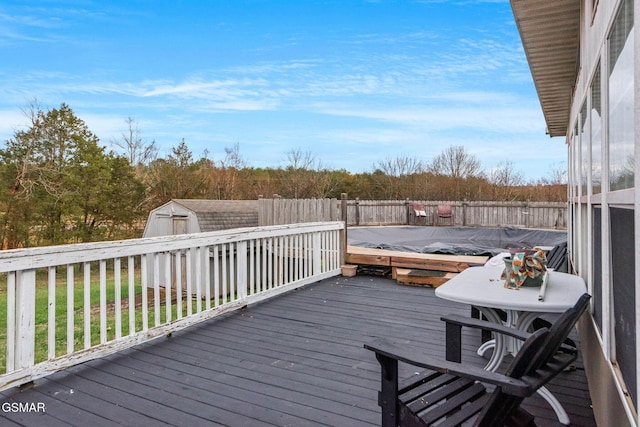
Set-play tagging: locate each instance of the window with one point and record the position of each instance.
(574, 171)
(597, 265)
(620, 81)
(596, 133)
(584, 150)
(574, 205)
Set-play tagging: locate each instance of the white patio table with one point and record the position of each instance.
(482, 287)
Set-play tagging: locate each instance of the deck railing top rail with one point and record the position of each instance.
(44, 256)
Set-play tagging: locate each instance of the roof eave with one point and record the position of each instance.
(550, 34)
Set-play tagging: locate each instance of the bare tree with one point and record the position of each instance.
(323, 181)
(304, 176)
(456, 162)
(400, 166)
(505, 175)
(228, 173)
(297, 159)
(233, 158)
(505, 179)
(390, 176)
(296, 176)
(557, 175)
(133, 147)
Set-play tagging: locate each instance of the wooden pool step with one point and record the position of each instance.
(431, 278)
(412, 268)
(412, 260)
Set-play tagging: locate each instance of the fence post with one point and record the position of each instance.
(465, 203)
(25, 320)
(408, 209)
(357, 211)
(273, 209)
(560, 221)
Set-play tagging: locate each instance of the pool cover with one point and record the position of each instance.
(453, 240)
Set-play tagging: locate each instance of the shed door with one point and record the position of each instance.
(180, 224)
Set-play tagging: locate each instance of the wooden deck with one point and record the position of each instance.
(295, 360)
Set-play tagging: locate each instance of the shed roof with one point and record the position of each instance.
(550, 33)
(202, 206)
(216, 215)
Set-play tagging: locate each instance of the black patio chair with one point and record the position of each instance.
(557, 258)
(450, 393)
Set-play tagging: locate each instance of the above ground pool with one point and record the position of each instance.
(454, 240)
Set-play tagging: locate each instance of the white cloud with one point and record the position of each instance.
(10, 121)
(506, 119)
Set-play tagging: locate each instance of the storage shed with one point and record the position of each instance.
(182, 216)
(185, 216)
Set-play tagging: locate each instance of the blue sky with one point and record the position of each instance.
(351, 81)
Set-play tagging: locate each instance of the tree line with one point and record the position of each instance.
(60, 185)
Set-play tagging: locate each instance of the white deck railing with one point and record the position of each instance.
(72, 303)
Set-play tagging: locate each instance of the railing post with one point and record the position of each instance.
(317, 254)
(344, 241)
(241, 270)
(25, 310)
(207, 275)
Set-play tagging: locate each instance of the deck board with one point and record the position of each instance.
(294, 360)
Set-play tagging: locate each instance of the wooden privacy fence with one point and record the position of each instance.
(293, 211)
(401, 212)
(476, 214)
(72, 303)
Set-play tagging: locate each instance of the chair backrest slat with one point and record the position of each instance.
(560, 331)
(500, 404)
(536, 352)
